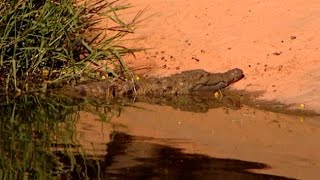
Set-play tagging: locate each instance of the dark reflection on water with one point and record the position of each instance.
(38, 142)
(132, 157)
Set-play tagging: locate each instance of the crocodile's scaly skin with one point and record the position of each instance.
(187, 82)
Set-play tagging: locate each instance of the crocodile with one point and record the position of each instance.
(187, 82)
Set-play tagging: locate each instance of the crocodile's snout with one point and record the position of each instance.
(236, 74)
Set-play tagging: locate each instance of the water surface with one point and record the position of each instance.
(192, 137)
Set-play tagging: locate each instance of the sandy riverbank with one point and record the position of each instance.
(275, 43)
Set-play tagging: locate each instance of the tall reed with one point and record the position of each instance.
(50, 41)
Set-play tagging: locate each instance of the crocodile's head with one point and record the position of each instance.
(234, 75)
(212, 82)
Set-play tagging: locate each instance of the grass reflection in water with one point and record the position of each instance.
(38, 135)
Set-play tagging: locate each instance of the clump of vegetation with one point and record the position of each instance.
(44, 42)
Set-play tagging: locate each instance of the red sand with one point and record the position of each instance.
(275, 43)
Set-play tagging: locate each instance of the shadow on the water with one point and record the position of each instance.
(131, 157)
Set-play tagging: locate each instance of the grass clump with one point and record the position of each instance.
(43, 42)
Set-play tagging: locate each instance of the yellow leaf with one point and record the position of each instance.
(218, 95)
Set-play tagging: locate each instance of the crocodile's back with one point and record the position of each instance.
(101, 89)
(187, 82)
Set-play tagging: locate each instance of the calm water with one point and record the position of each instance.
(188, 138)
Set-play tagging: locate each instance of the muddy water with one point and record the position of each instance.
(186, 137)
(161, 141)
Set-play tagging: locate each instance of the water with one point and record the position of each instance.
(59, 137)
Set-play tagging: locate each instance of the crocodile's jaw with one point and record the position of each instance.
(235, 74)
(216, 83)
(209, 88)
